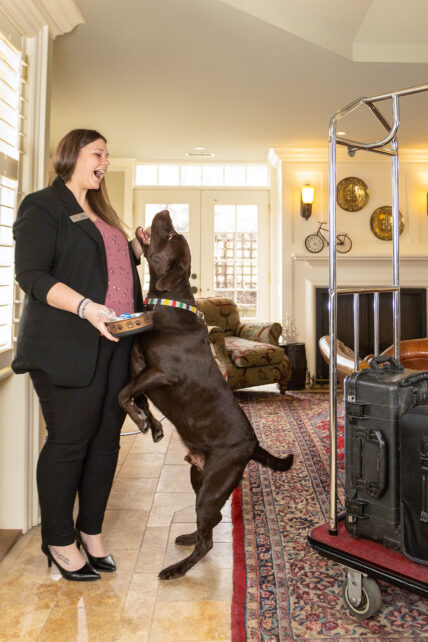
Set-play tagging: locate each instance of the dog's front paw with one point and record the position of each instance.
(157, 432)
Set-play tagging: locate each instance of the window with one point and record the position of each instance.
(11, 65)
(208, 175)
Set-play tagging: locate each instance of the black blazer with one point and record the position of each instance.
(51, 248)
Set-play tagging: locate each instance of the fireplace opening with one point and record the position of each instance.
(413, 321)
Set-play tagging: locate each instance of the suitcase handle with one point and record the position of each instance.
(377, 489)
(389, 364)
(414, 378)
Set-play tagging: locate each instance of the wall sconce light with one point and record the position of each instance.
(306, 200)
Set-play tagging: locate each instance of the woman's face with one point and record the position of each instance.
(91, 165)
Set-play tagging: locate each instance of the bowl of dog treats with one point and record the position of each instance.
(128, 324)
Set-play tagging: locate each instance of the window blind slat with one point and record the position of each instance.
(5, 294)
(5, 336)
(6, 256)
(5, 314)
(8, 115)
(6, 215)
(6, 238)
(5, 275)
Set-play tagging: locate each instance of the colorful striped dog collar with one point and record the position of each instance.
(174, 304)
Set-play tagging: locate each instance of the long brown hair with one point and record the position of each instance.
(64, 162)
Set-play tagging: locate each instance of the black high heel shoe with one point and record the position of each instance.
(106, 564)
(83, 574)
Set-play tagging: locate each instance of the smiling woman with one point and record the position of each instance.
(81, 158)
(78, 271)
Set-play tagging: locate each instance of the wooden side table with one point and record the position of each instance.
(297, 354)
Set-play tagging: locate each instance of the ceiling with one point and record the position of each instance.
(160, 77)
(362, 30)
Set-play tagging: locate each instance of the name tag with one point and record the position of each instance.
(78, 217)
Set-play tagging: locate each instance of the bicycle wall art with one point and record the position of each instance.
(316, 242)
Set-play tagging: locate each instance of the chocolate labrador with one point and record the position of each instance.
(173, 365)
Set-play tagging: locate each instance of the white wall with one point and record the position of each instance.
(369, 261)
(13, 452)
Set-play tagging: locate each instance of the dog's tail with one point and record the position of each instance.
(276, 463)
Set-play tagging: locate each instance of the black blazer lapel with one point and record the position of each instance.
(90, 228)
(72, 207)
(70, 203)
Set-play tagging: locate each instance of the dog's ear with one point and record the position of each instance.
(169, 280)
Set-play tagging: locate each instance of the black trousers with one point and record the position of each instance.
(82, 447)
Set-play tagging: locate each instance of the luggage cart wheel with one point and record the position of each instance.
(361, 595)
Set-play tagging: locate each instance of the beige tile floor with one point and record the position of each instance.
(151, 503)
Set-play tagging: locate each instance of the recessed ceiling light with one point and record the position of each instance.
(341, 133)
(201, 154)
(199, 149)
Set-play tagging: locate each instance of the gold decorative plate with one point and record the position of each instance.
(134, 324)
(381, 223)
(352, 194)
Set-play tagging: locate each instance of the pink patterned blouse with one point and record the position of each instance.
(120, 288)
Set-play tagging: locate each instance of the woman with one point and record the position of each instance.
(77, 269)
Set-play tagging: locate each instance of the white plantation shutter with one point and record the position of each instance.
(10, 98)
(11, 80)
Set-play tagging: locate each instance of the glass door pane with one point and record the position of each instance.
(235, 247)
(184, 207)
(235, 255)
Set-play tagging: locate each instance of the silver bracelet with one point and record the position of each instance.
(81, 310)
(78, 307)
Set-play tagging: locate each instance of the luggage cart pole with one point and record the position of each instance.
(332, 293)
(376, 323)
(396, 240)
(356, 331)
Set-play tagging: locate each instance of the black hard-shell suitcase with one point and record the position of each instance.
(375, 399)
(414, 483)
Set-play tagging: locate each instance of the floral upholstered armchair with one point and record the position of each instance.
(246, 353)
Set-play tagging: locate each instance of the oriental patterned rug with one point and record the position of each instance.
(283, 589)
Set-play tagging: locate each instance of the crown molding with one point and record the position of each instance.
(320, 155)
(29, 16)
(121, 164)
(301, 154)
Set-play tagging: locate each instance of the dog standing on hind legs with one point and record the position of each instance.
(173, 366)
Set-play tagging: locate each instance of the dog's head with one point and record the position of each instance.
(168, 255)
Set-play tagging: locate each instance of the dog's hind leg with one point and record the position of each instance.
(218, 482)
(189, 539)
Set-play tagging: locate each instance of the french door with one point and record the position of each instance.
(228, 235)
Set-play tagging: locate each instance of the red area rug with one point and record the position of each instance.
(283, 589)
